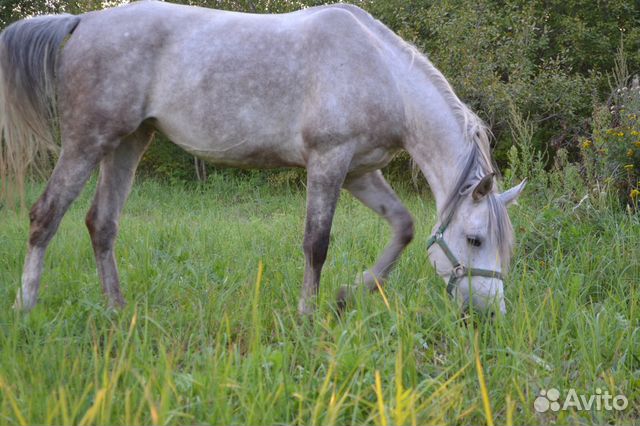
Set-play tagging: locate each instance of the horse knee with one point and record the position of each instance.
(404, 227)
(315, 248)
(102, 231)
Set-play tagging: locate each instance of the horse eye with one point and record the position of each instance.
(474, 241)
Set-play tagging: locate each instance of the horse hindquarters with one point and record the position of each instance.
(96, 110)
(29, 61)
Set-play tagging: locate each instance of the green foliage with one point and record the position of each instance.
(611, 157)
(524, 160)
(587, 33)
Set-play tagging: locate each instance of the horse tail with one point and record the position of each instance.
(29, 52)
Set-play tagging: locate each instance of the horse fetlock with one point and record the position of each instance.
(306, 307)
(116, 301)
(25, 301)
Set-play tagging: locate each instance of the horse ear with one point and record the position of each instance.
(483, 187)
(510, 196)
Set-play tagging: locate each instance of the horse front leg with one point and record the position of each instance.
(117, 170)
(374, 192)
(325, 176)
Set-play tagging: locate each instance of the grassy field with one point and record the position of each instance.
(205, 339)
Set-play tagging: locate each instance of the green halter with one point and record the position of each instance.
(459, 270)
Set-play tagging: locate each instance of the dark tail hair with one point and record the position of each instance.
(29, 51)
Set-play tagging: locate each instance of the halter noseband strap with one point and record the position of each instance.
(459, 270)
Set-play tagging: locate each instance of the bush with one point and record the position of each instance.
(612, 155)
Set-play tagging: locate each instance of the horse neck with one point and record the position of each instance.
(436, 143)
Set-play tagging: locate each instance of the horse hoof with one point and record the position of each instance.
(117, 304)
(343, 298)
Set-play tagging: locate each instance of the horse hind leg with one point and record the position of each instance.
(67, 180)
(374, 192)
(117, 170)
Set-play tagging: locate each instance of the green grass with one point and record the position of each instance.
(204, 340)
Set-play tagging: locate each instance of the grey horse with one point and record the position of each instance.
(328, 88)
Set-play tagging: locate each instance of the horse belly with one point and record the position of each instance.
(237, 98)
(235, 146)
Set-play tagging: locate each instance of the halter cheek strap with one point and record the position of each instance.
(458, 270)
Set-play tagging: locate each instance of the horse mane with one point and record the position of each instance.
(478, 162)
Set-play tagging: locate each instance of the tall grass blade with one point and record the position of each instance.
(486, 404)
